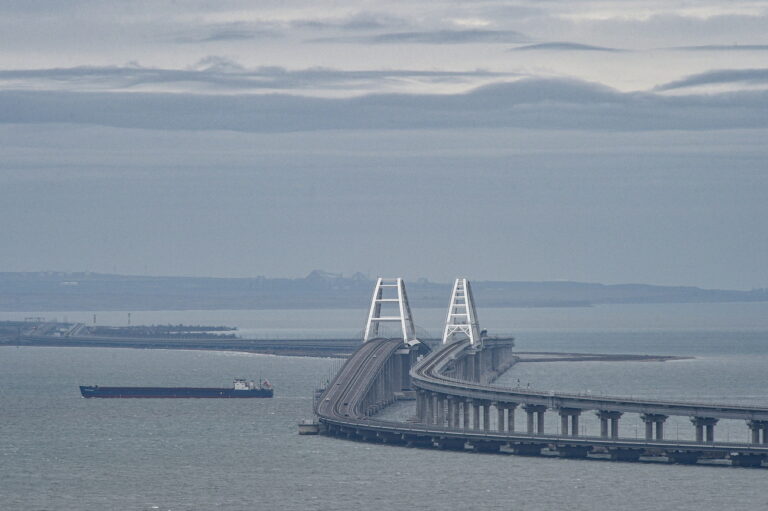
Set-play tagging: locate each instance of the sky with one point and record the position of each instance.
(613, 142)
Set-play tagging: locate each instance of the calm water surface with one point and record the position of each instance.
(61, 452)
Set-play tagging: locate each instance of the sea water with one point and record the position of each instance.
(59, 451)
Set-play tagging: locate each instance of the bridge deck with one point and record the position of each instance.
(429, 378)
(339, 409)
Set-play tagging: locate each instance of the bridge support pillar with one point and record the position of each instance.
(500, 416)
(756, 427)
(456, 413)
(486, 415)
(510, 407)
(536, 411)
(453, 412)
(609, 423)
(705, 428)
(573, 414)
(440, 409)
(466, 409)
(654, 418)
(420, 406)
(475, 414)
(431, 399)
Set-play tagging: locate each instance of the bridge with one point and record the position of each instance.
(458, 407)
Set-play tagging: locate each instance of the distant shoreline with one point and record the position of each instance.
(62, 292)
(546, 356)
(322, 348)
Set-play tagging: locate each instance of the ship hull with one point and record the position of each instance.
(171, 392)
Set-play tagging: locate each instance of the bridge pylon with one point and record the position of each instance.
(462, 316)
(390, 293)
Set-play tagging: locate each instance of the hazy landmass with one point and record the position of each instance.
(55, 291)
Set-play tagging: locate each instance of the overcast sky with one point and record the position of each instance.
(595, 141)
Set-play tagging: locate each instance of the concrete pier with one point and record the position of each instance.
(571, 414)
(456, 415)
(510, 407)
(421, 406)
(430, 399)
(451, 404)
(705, 428)
(755, 428)
(609, 423)
(651, 419)
(466, 405)
(535, 415)
(500, 416)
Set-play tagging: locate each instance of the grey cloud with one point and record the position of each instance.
(218, 63)
(220, 73)
(531, 103)
(434, 37)
(512, 12)
(724, 47)
(360, 21)
(236, 31)
(564, 46)
(724, 76)
(679, 29)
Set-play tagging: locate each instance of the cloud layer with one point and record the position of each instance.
(563, 46)
(720, 77)
(588, 140)
(221, 74)
(433, 37)
(527, 103)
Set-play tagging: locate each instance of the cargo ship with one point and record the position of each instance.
(242, 388)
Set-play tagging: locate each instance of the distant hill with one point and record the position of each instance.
(48, 291)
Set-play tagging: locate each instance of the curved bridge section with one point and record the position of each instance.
(445, 400)
(431, 376)
(456, 414)
(373, 377)
(457, 408)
